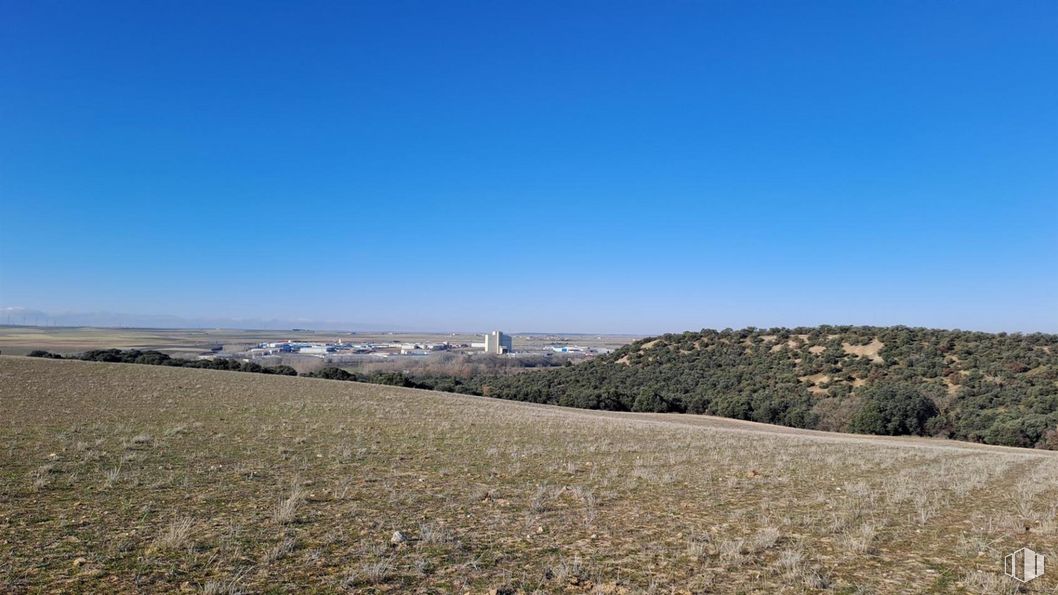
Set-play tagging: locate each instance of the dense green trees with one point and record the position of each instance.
(1027, 431)
(894, 409)
(649, 400)
(332, 373)
(157, 358)
(994, 388)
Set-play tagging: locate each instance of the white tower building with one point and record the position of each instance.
(496, 343)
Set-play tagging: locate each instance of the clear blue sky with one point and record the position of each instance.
(577, 166)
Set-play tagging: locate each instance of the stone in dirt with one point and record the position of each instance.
(398, 538)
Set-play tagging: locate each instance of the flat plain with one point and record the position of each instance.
(122, 478)
(20, 340)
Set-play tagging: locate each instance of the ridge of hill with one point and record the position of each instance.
(996, 388)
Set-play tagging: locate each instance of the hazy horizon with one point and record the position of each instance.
(592, 167)
(14, 316)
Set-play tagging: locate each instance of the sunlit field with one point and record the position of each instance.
(121, 477)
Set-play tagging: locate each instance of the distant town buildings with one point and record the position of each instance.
(344, 348)
(341, 350)
(497, 343)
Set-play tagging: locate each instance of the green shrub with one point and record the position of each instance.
(894, 410)
(332, 374)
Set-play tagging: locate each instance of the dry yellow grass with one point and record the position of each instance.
(870, 350)
(121, 478)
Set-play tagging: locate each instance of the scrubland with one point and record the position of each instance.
(120, 478)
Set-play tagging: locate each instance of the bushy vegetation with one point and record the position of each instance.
(993, 388)
(451, 384)
(463, 365)
(157, 358)
(895, 410)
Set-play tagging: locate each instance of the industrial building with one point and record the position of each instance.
(497, 343)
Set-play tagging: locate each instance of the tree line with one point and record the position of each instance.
(157, 358)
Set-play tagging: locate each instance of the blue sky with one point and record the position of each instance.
(572, 166)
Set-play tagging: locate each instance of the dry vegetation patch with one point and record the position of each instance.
(870, 351)
(122, 478)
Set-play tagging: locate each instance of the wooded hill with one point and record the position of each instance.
(994, 388)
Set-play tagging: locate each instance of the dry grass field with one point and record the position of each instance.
(120, 478)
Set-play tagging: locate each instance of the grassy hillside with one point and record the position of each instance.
(998, 389)
(993, 388)
(123, 478)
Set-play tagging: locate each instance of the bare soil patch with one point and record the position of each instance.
(870, 350)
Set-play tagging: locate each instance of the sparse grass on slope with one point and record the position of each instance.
(121, 478)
